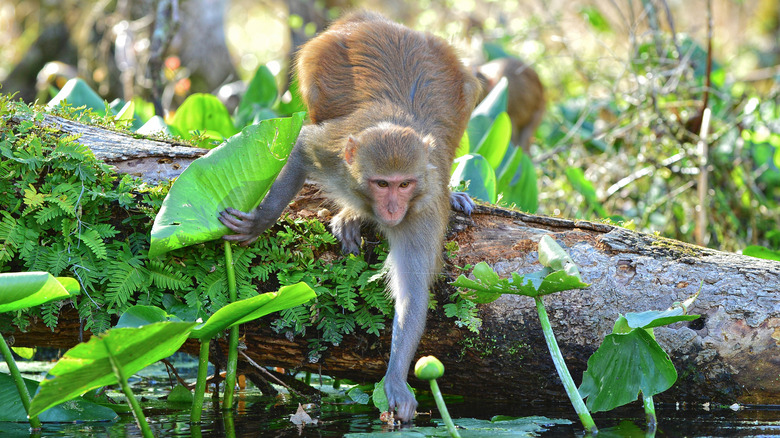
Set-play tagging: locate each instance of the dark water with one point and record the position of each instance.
(259, 416)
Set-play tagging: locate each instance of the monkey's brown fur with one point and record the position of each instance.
(525, 95)
(389, 107)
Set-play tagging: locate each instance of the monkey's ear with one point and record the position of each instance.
(349, 150)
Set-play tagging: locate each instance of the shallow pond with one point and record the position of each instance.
(260, 416)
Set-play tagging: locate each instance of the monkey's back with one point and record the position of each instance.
(365, 60)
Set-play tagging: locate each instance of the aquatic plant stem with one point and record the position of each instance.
(200, 385)
(138, 412)
(24, 395)
(563, 372)
(232, 361)
(652, 421)
(445, 414)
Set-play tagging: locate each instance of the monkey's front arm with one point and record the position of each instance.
(249, 226)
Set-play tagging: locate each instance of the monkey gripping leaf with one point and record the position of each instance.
(236, 174)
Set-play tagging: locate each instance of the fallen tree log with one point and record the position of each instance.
(729, 355)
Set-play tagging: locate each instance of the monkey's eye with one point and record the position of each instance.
(382, 183)
(404, 184)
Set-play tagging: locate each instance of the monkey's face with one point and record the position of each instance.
(391, 196)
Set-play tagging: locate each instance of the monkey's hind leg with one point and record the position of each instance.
(461, 201)
(346, 227)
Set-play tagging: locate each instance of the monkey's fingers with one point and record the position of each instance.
(462, 202)
(241, 227)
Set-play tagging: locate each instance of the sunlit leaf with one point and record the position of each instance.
(154, 126)
(201, 113)
(517, 183)
(250, 309)
(86, 366)
(235, 313)
(236, 174)
(554, 257)
(480, 176)
(495, 143)
(657, 318)
(19, 290)
(77, 93)
(260, 94)
(24, 352)
(141, 315)
(761, 252)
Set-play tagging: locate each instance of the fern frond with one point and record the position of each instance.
(50, 313)
(123, 280)
(92, 239)
(47, 213)
(105, 231)
(166, 276)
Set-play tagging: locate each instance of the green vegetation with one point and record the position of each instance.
(629, 361)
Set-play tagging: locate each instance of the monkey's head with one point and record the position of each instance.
(389, 164)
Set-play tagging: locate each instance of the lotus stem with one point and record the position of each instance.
(138, 412)
(24, 395)
(232, 361)
(200, 385)
(563, 371)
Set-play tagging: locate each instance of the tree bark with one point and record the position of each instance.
(729, 355)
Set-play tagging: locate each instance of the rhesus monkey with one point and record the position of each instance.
(525, 95)
(389, 106)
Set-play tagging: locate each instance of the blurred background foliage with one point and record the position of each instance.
(626, 83)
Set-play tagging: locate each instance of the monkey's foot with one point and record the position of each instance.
(462, 202)
(346, 228)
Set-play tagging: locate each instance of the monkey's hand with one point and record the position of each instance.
(247, 226)
(346, 227)
(401, 399)
(461, 201)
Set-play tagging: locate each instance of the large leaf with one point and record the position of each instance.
(77, 410)
(487, 286)
(624, 365)
(203, 113)
(77, 93)
(494, 144)
(486, 112)
(86, 366)
(657, 318)
(761, 252)
(477, 171)
(260, 94)
(517, 182)
(554, 257)
(494, 103)
(232, 314)
(236, 174)
(249, 309)
(141, 315)
(20, 290)
(290, 102)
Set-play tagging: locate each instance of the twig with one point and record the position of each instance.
(276, 379)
